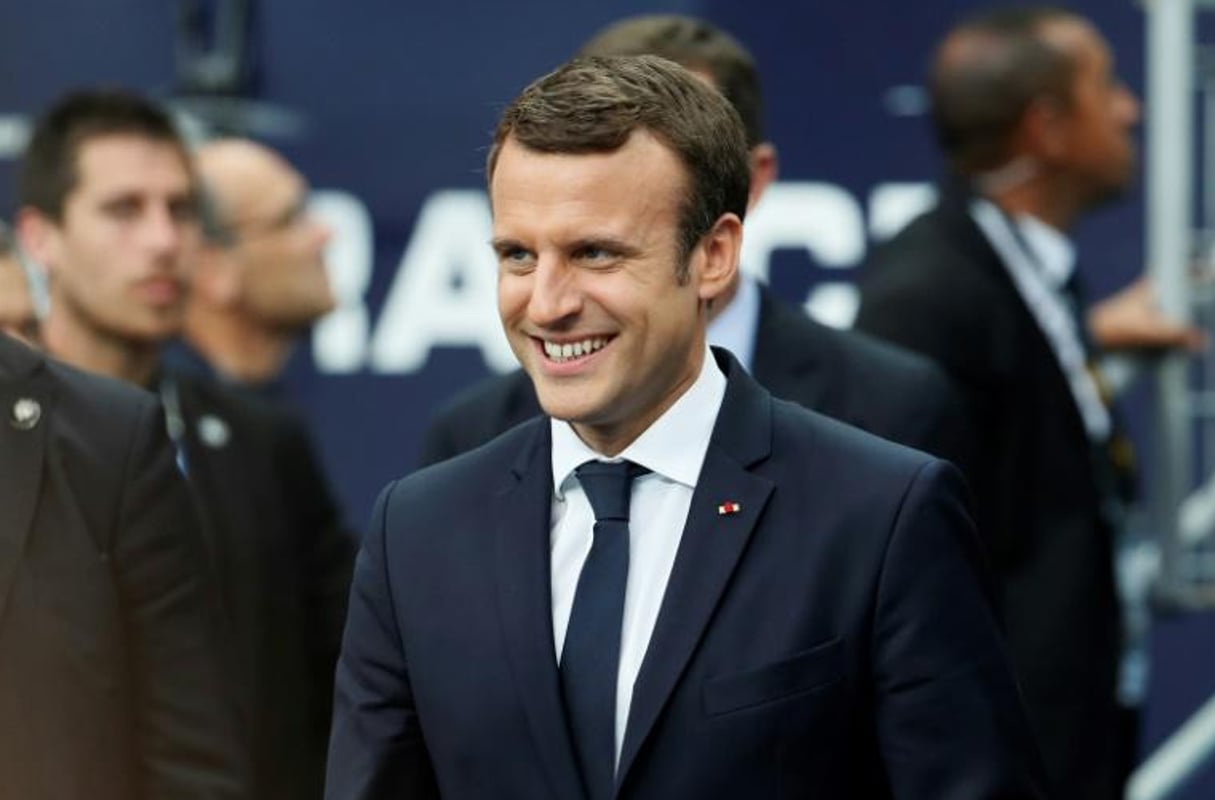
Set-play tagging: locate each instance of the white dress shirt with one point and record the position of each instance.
(1040, 260)
(673, 449)
(735, 327)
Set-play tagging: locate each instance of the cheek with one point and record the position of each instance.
(513, 294)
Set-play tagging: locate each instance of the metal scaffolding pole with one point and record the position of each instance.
(1170, 126)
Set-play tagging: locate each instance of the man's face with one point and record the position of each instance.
(119, 257)
(280, 250)
(1096, 146)
(588, 289)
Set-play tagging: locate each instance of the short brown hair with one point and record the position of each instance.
(697, 45)
(593, 105)
(49, 168)
(979, 100)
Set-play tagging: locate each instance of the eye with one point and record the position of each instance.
(183, 210)
(124, 208)
(595, 254)
(515, 259)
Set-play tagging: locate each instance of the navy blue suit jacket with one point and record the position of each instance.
(833, 639)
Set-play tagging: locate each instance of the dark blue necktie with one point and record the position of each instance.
(590, 657)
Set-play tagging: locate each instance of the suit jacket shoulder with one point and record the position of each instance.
(887, 390)
(939, 288)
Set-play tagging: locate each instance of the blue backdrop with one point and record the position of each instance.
(397, 101)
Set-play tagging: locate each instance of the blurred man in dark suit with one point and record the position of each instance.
(1036, 128)
(109, 208)
(854, 378)
(110, 674)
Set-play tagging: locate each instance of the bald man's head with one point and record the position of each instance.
(986, 74)
(1028, 101)
(265, 258)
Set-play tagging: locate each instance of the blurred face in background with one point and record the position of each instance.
(1092, 141)
(119, 258)
(275, 248)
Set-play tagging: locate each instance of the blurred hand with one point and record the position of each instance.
(1132, 320)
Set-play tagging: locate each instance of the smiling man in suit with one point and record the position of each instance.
(674, 585)
(852, 377)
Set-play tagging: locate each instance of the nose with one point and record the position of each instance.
(163, 230)
(1128, 105)
(555, 296)
(320, 231)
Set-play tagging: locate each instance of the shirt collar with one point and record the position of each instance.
(734, 328)
(1046, 250)
(674, 445)
(1055, 253)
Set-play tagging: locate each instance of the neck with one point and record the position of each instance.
(68, 339)
(609, 439)
(235, 347)
(1020, 189)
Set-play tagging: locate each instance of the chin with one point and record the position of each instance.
(568, 404)
(559, 407)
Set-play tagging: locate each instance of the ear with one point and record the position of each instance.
(716, 261)
(1043, 131)
(39, 237)
(764, 168)
(216, 277)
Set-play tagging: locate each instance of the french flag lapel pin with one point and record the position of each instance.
(727, 508)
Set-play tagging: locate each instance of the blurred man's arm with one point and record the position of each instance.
(1131, 319)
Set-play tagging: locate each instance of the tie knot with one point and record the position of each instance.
(608, 486)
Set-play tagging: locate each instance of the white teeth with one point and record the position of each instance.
(564, 352)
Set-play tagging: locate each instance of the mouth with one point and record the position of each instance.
(159, 291)
(571, 354)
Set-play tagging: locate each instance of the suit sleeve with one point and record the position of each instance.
(949, 716)
(376, 748)
(187, 727)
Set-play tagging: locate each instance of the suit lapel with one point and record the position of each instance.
(709, 551)
(22, 454)
(970, 237)
(522, 512)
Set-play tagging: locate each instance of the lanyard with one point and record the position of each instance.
(175, 421)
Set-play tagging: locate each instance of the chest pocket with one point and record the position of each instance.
(803, 672)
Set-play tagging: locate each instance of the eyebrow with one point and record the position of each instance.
(504, 244)
(609, 243)
(612, 244)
